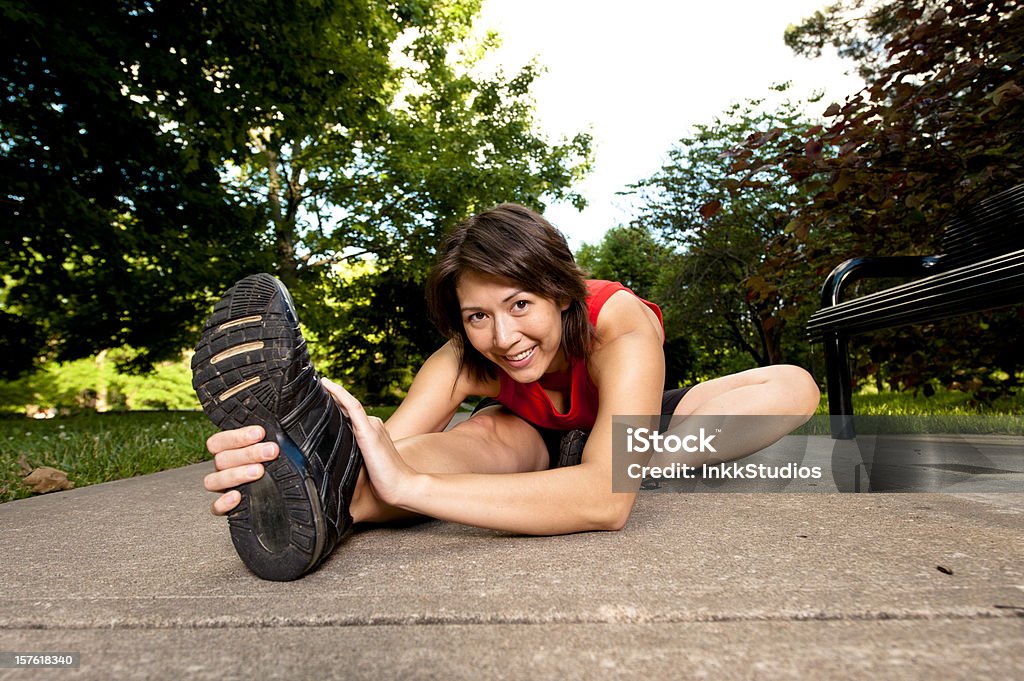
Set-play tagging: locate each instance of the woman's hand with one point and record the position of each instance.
(238, 456)
(390, 476)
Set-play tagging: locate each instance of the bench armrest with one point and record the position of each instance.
(902, 266)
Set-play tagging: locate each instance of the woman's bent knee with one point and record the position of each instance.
(801, 390)
(505, 436)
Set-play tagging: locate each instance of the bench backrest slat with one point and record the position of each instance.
(992, 227)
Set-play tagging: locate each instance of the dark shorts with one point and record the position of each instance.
(670, 399)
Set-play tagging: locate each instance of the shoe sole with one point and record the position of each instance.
(238, 370)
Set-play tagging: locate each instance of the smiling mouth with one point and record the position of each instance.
(521, 356)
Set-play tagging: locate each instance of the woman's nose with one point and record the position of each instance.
(506, 333)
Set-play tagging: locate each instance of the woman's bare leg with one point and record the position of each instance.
(778, 389)
(782, 396)
(492, 441)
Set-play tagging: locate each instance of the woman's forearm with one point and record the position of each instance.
(558, 501)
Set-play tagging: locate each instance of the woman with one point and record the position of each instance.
(551, 351)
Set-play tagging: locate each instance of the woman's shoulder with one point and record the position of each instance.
(623, 312)
(630, 335)
(598, 290)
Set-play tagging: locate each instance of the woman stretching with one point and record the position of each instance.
(554, 355)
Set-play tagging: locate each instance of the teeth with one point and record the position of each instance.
(521, 355)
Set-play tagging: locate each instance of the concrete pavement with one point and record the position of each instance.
(139, 578)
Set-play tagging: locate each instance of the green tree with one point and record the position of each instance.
(453, 144)
(724, 290)
(110, 229)
(629, 255)
(155, 151)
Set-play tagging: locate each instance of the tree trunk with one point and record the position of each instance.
(102, 389)
(284, 228)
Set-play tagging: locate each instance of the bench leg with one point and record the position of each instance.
(840, 393)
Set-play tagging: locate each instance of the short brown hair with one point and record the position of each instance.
(515, 243)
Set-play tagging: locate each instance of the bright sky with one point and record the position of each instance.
(639, 73)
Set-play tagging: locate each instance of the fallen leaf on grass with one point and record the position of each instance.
(45, 479)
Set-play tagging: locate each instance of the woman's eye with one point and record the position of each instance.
(521, 305)
(475, 317)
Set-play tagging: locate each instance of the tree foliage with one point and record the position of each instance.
(155, 151)
(454, 144)
(629, 255)
(858, 30)
(723, 289)
(939, 125)
(109, 227)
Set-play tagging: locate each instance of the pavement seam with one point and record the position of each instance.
(999, 612)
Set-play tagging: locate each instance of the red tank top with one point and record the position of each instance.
(530, 402)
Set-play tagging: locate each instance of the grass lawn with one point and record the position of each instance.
(102, 447)
(950, 411)
(946, 402)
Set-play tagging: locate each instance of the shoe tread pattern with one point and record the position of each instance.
(286, 378)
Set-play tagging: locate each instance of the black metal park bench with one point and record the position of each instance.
(981, 267)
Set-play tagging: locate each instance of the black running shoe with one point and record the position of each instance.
(251, 367)
(570, 449)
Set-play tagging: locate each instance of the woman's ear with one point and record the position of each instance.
(564, 305)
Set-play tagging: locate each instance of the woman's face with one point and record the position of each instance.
(519, 331)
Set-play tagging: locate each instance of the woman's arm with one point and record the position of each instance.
(628, 370)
